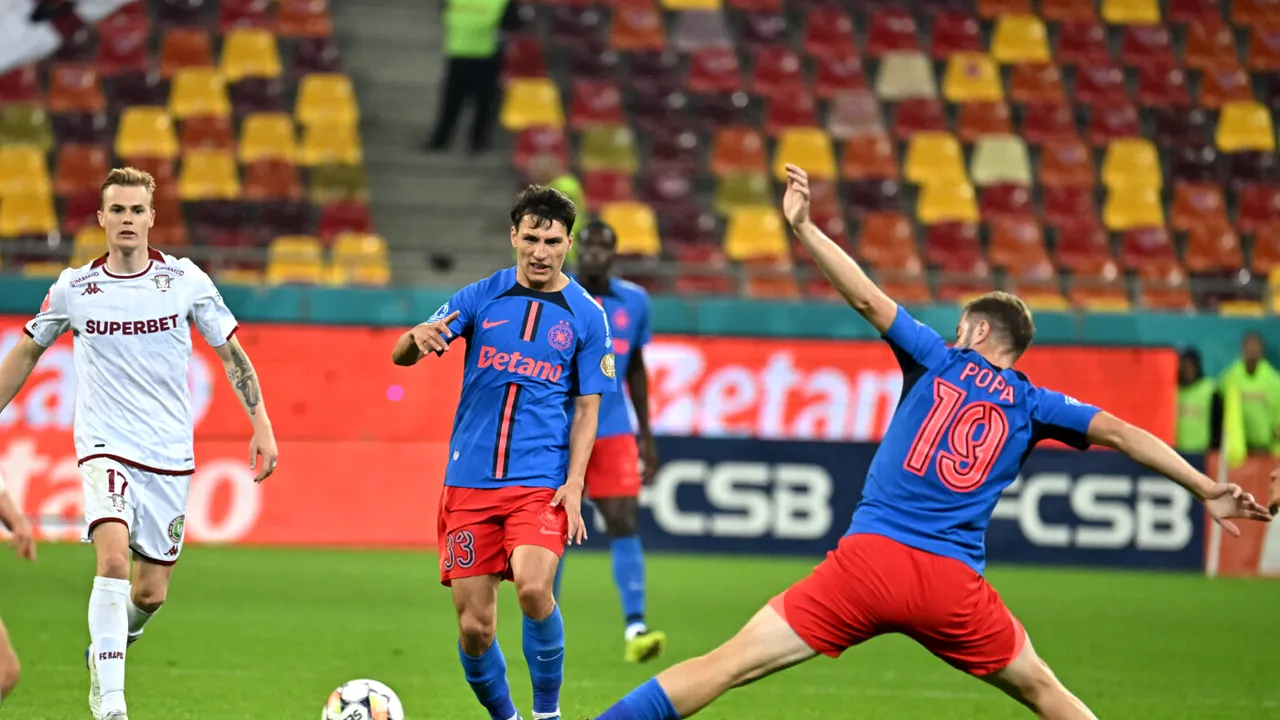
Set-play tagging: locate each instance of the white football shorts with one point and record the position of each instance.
(151, 505)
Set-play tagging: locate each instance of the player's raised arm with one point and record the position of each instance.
(1223, 501)
(843, 272)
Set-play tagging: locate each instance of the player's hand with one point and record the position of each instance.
(795, 203)
(24, 541)
(1228, 500)
(648, 459)
(263, 447)
(570, 496)
(433, 337)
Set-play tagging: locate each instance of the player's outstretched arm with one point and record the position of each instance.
(244, 380)
(17, 367)
(427, 338)
(843, 271)
(1222, 501)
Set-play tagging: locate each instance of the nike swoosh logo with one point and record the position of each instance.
(491, 323)
(557, 656)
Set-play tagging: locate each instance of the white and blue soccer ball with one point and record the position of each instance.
(363, 700)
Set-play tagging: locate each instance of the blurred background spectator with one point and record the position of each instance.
(473, 46)
(1199, 406)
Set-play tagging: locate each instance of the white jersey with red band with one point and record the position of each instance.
(133, 356)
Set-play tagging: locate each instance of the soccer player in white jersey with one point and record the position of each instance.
(25, 545)
(131, 313)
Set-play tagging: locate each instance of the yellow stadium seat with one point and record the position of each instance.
(947, 201)
(90, 243)
(1106, 304)
(934, 156)
(1131, 12)
(326, 98)
(22, 124)
(27, 214)
(810, 148)
(249, 53)
(361, 275)
(531, 102)
(738, 190)
(1129, 207)
(972, 77)
(324, 144)
(197, 91)
(678, 5)
(1020, 39)
(295, 259)
(1132, 162)
(636, 226)
(208, 174)
(359, 259)
(239, 276)
(23, 169)
(755, 232)
(1001, 159)
(267, 136)
(1240, 308)
(45, 269)
(1245, 125)
(146, 132)
(608, 147)
(905, 75)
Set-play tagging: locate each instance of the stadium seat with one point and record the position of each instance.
(704, 270)
(1245, 126)
(1197, 204)
(1149, 251)
(868, 156)
(1017, 246)
(1253, 167)
(977, 119)
(828, 32)
(1197, 163)
(1101, 85)
(1148, 47)
(316, 55)
(666, 190)
(1067, 10)
(919, 115)
(741, 190)
(327, 98)
(770, 278)
(1005, 200)
(953, 246)
(675, 150)
(763, 29)
(637, 28)
(1068, 203)
(636, 226)
(906, 75)
(954, 32)
(608, 148)
(809, 148)
(1266, 252)
(1131, 12)
(1020, 39)
(776, 69)
(44, 269)
(835, 75)
(738, 150)
(163, 170)
(992, 9)
(27, 214)
(234, 14)
(595, 103)
(1001, 159)
(1213, 249)
(303, 19)
(891, 30)
(607, 186)
(1129, 207)
(1036, 83)
(1221, 86)
(1264, 49)
(535, 142)
(182, 48)
(1181, 12)
(934, 157)
(852, 113)
(266, 136)
(695, 30)
(569, 26)
(249, 52)
(1082, 247)
(271, 179)
(1210, 46)
(1082, 44)
(948, 201)
(755, 232)
(122, 46)
(714, 70)
(593, 60)
(198, 91)
(1163, 87)
(74, 88)
(323, 144)
(1178, 127)
(146, 132)
(340, 218)
(1258, 206)
(972, 77)
(792, 108)
(21, 85)
(286, 217)
(206, 131)
(533, 102)
(79, 168)
(1107, 123)
(1131, 162)
(89, 244)
(23, 171)
(1048, 122)
(208, 175)
(26, 125)
(295, 259)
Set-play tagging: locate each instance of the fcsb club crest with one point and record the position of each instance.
(561, 335)
(176, 527)
(552, 520)
(163, 282)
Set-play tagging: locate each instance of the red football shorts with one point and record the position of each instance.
(478, 530)
(614, 468)
(871, 585)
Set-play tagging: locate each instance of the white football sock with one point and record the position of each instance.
(109, 631)
(635, 629)
(138, 619)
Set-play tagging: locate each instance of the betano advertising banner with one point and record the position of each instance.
(363, 442)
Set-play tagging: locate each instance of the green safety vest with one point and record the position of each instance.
(1259, 395)
(471, 27)
(1195, 405)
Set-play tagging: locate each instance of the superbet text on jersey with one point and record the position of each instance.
(132, 356)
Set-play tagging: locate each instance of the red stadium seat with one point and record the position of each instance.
(1223, 85)
(952, 246)
(996, 202)
(173, 13)
(887, 241)
(866, 196)
(1149, 250)
(303, 18)
(1192, 11)
(835, 73)
(1163, 87)
(595, 103)
(75, 88)
(637, 29)
(755, 5)
(705, 270)
(1036, 83)
(244, 13)
(828, 30)
(777, 69)
(1068, 203)
(1210, 46)
(122, 46)
(1254, 13)
(793, 107)
(1266, 248)
(1213, 248)
(183, 48)
(1175, 127)
(1147, 46)
(1196, 204)
(891, 31)
(676, 150)
(1259, 206)
(80, 168)
(1048, 122)
(206, 132)
(1108, 122)
(21, 86)
(536, 142)
(868, 157)
(607, 186)
(81, 209)
(1083, 246)
(271, 180)
(714, 70)
(343, 217)
(1067, 163)
(981, 118)
(1101, 85)
(1264, 49)
(992, 9)
(763, 29)
(1017, 246)
(523, 58)
(665, 190)
(1067, 11)
(955, 32)
(919, 115)
(738, 150)
(1083, 44)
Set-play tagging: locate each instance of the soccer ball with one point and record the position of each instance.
(363, 700)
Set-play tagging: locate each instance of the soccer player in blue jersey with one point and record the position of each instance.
(913, 557)
(537, 349)
(615, 473)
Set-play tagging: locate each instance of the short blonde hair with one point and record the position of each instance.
(130, 177)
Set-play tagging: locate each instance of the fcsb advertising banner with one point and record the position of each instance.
(363, 442)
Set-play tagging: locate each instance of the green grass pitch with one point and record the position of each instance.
(255, 633)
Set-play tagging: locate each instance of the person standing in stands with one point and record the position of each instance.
(1199, 406)
(1254, 386)
(472, 44)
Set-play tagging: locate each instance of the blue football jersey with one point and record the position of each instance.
(627, 307)
(529, 353)
(961, 432)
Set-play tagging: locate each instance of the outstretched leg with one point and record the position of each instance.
(1030, 681)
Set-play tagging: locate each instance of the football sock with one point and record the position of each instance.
(628, 575)
(109, 632)
(555, 586)
(138, 620)
(544, 651)
(487, 676)
(647, 702)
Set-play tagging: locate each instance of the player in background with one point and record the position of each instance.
(913, 557)
(131, 313)
(624, 456)
(24, 544)
(538, 348)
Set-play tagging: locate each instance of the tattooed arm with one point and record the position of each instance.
(244, 380)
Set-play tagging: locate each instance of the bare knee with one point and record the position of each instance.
(148, 597)
(536, 596)
(113, 565)
(476, 629)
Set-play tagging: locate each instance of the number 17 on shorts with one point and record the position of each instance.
(151, 505)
